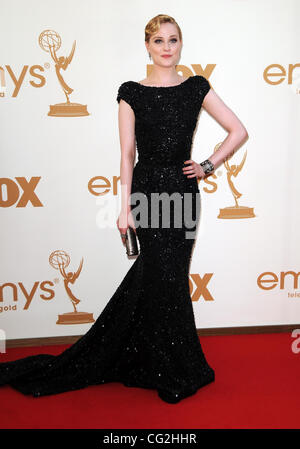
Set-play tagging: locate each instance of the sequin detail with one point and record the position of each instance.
(146, 335)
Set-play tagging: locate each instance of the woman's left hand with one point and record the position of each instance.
(193, 169)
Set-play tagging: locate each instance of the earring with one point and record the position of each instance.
(149, 56)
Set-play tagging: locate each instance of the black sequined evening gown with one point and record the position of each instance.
(146, 335)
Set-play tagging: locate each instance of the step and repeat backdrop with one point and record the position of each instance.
(61, 65)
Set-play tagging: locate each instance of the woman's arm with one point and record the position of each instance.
(237, 133)
(126, 120)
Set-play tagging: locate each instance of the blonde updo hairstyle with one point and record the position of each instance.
(154, 25)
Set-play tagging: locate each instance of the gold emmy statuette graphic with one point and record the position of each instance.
(50, 41)
(234, 211)
(60, 260)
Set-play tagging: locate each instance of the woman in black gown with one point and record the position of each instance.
(146, 335)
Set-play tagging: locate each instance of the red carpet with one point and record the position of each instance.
(257, 386)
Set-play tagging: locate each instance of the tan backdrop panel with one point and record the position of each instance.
(60, 159)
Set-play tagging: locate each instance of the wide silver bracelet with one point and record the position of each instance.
(208, 166)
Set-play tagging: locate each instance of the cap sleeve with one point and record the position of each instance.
(126, 93)
(204, 86)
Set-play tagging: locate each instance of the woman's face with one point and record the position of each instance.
(165, 42)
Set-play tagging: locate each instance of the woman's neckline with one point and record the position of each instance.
(164, 87)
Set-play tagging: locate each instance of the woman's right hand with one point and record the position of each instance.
(125, 220)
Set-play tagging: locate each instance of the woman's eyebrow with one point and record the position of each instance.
(155, 37)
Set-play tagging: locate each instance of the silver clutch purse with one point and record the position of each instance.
(131, 242)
